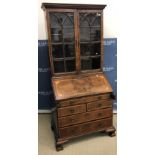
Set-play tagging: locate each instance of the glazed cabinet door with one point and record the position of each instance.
(90, 39)
(61, 26)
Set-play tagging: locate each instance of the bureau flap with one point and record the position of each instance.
(77, 86)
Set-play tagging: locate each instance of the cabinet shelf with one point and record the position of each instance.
(56, 34)
(61, 43)
(87, 57)
(89, 42)
(65, 58)
(71, 34)
(58, 43)
(90, 26)
(60, 27)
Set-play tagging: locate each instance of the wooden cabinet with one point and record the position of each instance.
(83, 95)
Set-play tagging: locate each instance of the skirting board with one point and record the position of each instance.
(47, 111)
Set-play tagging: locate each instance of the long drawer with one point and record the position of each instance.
(84, 117)
(81, 129)
(99, 104)
(83, 100)
(71, 110)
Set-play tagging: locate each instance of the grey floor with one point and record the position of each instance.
(95, 144)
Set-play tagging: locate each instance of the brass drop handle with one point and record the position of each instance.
(72, 130)
(99, 97)
(72, 110)
(99, 105)
(72, 120)
(99, 114)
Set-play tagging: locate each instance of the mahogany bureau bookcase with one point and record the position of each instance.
(83, 95)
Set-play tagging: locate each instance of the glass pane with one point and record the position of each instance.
(69, 50)
(58, 66)
(90, 19)
(97, 21)
(61, 19)
(95, 34)
(56, 31)
(56, 35)
(96, 63)
(84, 34)
(83, 20)
(57, 38)
(86, 64)
(85, 49)
(55, 21)
(70, 65)
(96, 49)
(69, 20)
(68, 34)
(90, 63)
(57, 51)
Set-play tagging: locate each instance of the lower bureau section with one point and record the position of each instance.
(85, 128)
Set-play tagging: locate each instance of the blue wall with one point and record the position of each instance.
(45, 94)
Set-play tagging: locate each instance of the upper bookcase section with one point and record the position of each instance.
(75, 38)
(72, 6)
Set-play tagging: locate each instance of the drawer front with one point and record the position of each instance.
(83, 100)
(71, 110)
(85, 128)
(85, 117)
(99, 104)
